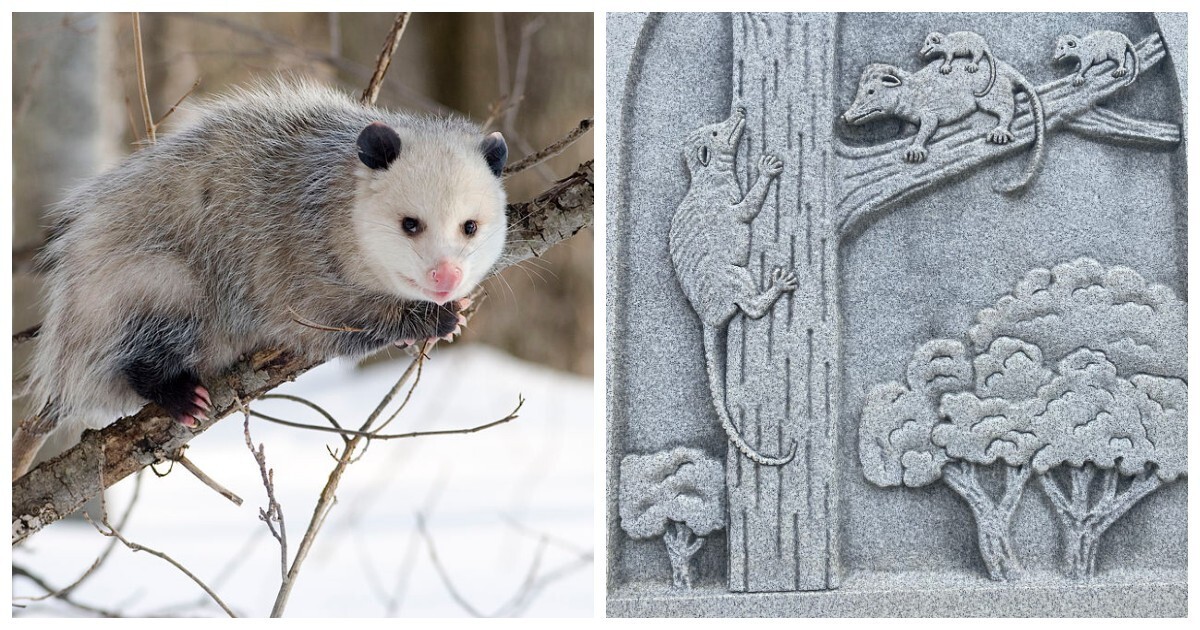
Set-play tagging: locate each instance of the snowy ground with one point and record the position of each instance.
(508, 510)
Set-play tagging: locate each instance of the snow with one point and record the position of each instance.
(488, 498)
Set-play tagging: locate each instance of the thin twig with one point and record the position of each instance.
(140, 62)
(186, 94)
(114, 532)
(274, 512)
(208, 481)
(550, 151)
(307, 403)
(300, 319)
(371, 93)
(41, 583)
(369, 435)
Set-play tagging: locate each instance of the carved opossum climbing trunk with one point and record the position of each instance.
(783, 370)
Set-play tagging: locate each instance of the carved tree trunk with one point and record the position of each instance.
(993, 519)
(783, 370)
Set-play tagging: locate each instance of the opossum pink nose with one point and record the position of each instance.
(445, 276)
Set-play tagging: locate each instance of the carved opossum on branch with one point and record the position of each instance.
(709, 238)
(285, 216)
(1095, 49)
(966, 44)
(930, 99)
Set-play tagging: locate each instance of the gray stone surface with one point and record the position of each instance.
(887, 243)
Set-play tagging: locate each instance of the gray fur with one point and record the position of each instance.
(242, 222)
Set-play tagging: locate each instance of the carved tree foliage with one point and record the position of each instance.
(1101, 430)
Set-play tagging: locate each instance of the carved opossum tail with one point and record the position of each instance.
(1039, 137)
(992, 77)
(716, 383)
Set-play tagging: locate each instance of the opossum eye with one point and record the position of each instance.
(411, 226)
(469, 228)
(1070, 44)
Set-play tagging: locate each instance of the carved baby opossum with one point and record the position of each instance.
(280, 204)
(709, 238)
(931, 99)
(1095, 49)
(966, 44)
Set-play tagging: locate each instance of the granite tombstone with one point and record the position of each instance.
(897, 314)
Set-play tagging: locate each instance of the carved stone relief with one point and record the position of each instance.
(855, 256)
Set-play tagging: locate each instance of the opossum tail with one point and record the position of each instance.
(716, 383)
(1039, 138)
(992, 74)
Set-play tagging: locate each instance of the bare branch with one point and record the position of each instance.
(384, 61)
(554, 149)
(274, 512)
(208, 481)
(140, 62)
(370, 435)
(179, 102)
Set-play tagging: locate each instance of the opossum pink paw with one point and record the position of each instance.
(972, 68)
(1077, 81)
(1120, 72)
(944, 69)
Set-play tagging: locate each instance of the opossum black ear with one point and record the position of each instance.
(702, 155)
(495, 151)
(378, 145)
(890, 80)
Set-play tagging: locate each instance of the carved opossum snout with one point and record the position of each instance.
(932, 41)
(1064, 47)
(714, 141)
(878, 94)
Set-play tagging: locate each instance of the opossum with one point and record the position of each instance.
(1095, 49)
(709, 238)
(966, 44)
(930, 99)
(286, 216)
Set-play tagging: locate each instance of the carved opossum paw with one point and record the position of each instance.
(972, 68)
(784, 279)
(915, 154)
(945, 69)
(1120, 72)
(1077, 81)
(770, 165)
(1000, 135)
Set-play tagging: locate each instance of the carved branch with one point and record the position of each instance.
(877, 178)
(62, 485)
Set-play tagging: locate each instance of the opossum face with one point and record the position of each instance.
(430, 212)
(878, 94)
(1065, 47)
(933, 43)
(715, 145)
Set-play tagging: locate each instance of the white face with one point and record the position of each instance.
(433, 223)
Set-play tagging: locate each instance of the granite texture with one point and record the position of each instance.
(931, 397)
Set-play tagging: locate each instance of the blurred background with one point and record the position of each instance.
(505, 519)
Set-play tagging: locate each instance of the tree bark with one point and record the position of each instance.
(59, 486)
(993, 519)
(681, 546)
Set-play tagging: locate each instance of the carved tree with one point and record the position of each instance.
(1083, 426)
(904, 440)
(676, 494)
